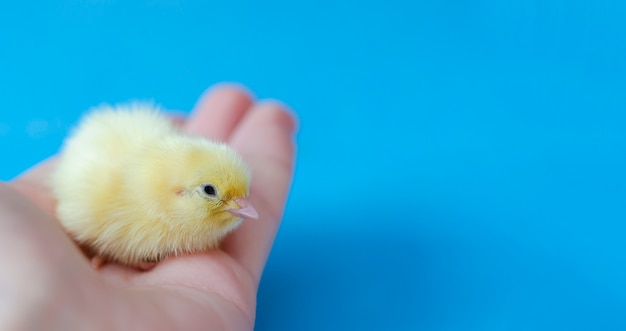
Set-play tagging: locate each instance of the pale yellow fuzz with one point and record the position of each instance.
(129, 186)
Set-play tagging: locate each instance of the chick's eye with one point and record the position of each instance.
(210, 190)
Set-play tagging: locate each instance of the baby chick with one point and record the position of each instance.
(132, 188)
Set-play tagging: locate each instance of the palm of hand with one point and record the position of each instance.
(216, 289)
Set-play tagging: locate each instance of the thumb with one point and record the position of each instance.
(27, 232)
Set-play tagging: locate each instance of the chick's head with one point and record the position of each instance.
(218, 186)
(199, 186)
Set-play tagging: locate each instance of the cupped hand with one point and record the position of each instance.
(47, 283)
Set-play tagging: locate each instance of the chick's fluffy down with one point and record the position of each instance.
(130, 186)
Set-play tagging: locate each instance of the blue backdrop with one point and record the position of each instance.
(462, 164)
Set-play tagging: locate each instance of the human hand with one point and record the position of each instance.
(46, 283)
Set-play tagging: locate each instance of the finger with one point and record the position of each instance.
(219, 111)
(179, 119)
(265, 141)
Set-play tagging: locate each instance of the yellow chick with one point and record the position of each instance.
(132, 188)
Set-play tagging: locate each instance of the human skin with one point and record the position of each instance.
(47, 283)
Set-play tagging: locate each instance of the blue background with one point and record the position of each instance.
(461, 163)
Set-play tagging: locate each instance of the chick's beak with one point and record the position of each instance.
(245, 209)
